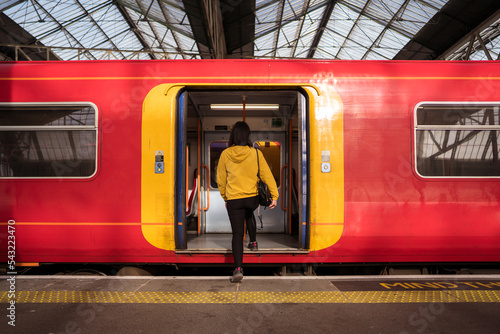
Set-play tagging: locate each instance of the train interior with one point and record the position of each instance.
(277, 121)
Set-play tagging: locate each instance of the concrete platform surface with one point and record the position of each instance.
(289, 304)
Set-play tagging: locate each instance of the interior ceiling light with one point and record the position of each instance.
(247, 106)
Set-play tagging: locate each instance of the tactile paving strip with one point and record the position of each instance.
(335, 297)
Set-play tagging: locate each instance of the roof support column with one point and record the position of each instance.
(215, 28)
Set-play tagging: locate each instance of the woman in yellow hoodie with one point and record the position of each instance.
(237, 181)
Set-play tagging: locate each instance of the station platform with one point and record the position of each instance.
(258, 304)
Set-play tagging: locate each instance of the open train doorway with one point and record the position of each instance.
(277, 118)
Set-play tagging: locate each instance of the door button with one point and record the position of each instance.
(325, 167)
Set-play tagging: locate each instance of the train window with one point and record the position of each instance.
(48, 140)
(457, 140)
(272, 153)
(216, 149)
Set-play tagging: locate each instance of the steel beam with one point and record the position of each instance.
(134, 28)
(466, 45)
(322, 26)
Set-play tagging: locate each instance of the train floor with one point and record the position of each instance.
(222, 242)
(273, 304)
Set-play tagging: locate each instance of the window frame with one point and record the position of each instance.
(94, 127)
(416, 128)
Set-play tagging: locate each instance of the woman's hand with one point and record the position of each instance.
(273, 204)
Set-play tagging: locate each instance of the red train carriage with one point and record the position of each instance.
(114, 161)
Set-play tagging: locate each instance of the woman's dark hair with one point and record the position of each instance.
(240, 135)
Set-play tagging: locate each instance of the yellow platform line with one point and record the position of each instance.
(253, 297)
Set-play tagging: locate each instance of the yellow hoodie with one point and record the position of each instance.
(237, 173)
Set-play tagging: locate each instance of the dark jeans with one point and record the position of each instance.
(240, 210)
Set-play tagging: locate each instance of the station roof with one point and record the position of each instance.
(275, 29)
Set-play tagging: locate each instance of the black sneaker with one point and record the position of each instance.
(253, 246)
(237, 275)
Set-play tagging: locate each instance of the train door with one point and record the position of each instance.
(202, 133)
(272, 145)
(175, 180)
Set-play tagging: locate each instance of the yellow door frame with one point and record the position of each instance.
(326, 191)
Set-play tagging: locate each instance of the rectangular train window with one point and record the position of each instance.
(272, 153)
(49, 140)
(216, 149)
(457, 139)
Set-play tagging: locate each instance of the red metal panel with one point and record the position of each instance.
(391, 215)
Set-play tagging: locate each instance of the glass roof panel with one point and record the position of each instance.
(174, 10)
(26, 16)
(383, 28)
(287, 38)
(280, 18)
(383, 10)
(356, 29)
(490, 34)
(330, 45)
(125, 40)
(323, 54)
(366, 31)
(352, 50)
(263, 47)
(374, 55)
(6, 4)
(69, 54)
(417, 14)
(478, 55)
(312, 20)
(495, 48)
(342, 20)
(99, 24)
(266, 17)
(339, 25)
(186, 43)
(158, 16)
(391, 43)
(313, 4)
(292, 10)
(309, 28)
